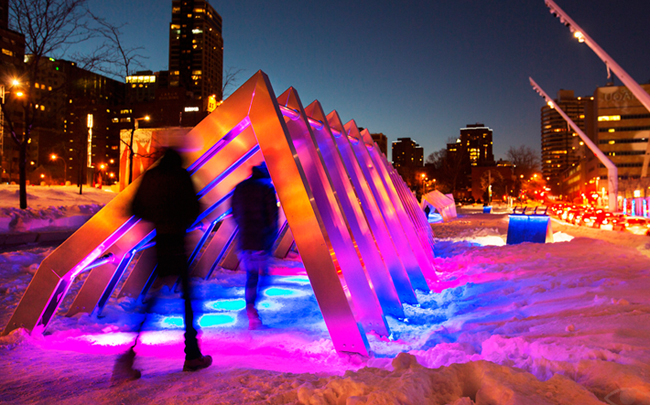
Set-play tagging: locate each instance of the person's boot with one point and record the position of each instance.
(254, 321)
(123, 369)
(198, 363)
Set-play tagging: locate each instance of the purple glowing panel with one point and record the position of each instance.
(400, 227)
(372, 212)
(374, 265)
(366, 306)
(424, 254)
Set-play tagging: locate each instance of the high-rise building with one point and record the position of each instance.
(473, 148)
(476, 142)
(559, 141)
(196, 49)
(407, 153)
(12, 55)
(623, 130)
(408, 160)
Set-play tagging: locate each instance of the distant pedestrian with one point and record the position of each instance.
(166, 197)
(255, 210)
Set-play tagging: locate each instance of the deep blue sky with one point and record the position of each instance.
(418, 69)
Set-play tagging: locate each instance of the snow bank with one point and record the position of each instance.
(49, 207)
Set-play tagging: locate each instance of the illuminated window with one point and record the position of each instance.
(7, 52)
(612, 142)
(611, 130)
(175, 27)
(609, 118)
(176, 10)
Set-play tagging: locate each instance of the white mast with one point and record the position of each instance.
(612, 170)
(633, 86)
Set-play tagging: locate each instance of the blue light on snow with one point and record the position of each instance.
(296, 279)
(208, 320)
(282, 292)
(169, 322)
(227, 304)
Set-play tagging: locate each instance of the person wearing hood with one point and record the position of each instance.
(255, 210)
(167, 198)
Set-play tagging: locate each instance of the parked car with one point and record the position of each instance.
(635, 225)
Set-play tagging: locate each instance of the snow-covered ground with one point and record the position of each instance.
(49, 207)
(559, 323)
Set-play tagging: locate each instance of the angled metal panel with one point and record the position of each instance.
(407, 242)
(366, 306)
(297, 200)
(284, 242)
(424, 254)
(372, 211)
(214, 250)
(416, 215)
(55, 274)
(376, 271)
(144, 263)
(230, 260)
(100, 278)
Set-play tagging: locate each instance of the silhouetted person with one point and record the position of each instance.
(255, 210)
(167, 198)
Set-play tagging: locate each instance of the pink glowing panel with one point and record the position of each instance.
(374, 265)
(372, 212)
(334, 228)
(400, 227)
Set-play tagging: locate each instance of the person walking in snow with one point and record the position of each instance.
(166, 197)
(255, 210)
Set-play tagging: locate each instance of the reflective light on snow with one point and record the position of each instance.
(226, 304)
(489, 241)
(269, 305)
(297, 279)
(282, 292)
(172, 322)
(209, 320)
(109, 339)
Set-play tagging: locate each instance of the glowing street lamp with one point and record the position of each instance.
(131, 151)
(54, 157)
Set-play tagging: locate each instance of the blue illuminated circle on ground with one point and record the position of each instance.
(281, 292)
(297, 279)
(172, 322)
(228, 304)
(208, 320)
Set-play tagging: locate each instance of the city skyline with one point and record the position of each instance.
(422, 71)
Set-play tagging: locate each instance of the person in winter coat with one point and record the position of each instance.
(166, 197)
(255, 210)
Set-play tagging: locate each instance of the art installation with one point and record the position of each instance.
(529, 226)
(362, 237)
(444, 204)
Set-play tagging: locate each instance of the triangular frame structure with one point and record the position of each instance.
(362, 238)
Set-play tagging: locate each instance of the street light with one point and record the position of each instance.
(131, 151)
(424, 178)
(54, 157)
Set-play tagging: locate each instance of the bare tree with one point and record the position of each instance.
(525, 159)
(50, 27)
(230, 79)
(112, 57)
(449, 168)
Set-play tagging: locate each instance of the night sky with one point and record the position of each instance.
(418, 69)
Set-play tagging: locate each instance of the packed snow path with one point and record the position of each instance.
(561, 323)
